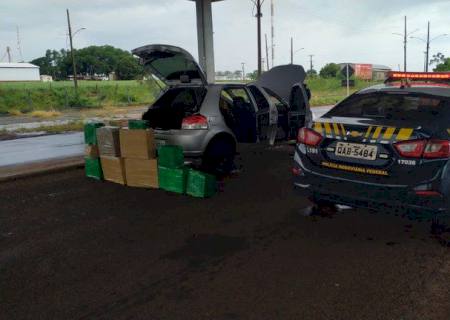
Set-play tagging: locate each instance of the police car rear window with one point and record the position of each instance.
(395, 106)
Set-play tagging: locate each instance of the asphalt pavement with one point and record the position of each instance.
(74, 248)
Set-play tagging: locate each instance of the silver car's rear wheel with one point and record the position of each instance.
(218, 158)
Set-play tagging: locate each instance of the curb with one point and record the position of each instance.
(15, 172)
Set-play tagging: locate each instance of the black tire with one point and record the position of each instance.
(218, 158)
(323, 208)
(441, 230)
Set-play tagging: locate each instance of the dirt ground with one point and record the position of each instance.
(73, 248)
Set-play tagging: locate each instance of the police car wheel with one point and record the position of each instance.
(441, 231)
(323, 208)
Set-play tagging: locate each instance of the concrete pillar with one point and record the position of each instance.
(205, 38)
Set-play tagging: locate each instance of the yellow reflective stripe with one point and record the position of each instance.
(388, 133)
(368, 132)
(336, 129)
(343, 130)
(377, 132)
(404, 133)
(318, 127)
(327, 128)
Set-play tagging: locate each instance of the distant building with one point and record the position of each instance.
(366, 71)
(22, 71)
(379, 72)
(46, 78)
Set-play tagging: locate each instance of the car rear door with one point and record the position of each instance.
(263, 111)
(299, 110)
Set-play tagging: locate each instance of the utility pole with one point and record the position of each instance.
(258, 16)
(427, 41)
(243, 71)
(425, 64)
(267, 54)
(19, 46)
(292, 50)
(405, 36)
(8, 52)
(405, 42)
(311, 63)
(428, 47)
(75, 83)
(272, 21)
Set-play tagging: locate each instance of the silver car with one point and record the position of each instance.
(208, 120)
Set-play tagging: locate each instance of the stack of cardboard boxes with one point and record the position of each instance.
(110, 154)
(139, 153)
(128, 156)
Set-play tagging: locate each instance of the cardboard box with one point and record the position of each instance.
(113, 169)
(108, 141)
(137, 144)
(91, 151)
(142, 173)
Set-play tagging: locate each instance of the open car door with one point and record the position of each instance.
(170, 64)
(299, 112)
(287, 82)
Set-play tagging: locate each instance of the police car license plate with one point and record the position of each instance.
(356, 150)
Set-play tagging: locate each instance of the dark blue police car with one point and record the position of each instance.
(384, 147)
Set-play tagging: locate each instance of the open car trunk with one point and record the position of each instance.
(173, 106)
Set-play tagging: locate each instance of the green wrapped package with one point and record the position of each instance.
(93, 168)
(90, 132)
(137, 124)
(172, 179)
(170, 156)
(200, 184)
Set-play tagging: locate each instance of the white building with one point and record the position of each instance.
(18, 72)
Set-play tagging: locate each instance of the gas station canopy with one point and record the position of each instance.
(205, 37)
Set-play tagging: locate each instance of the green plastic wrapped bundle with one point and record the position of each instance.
(93, 168)
(90, 132)
(170, 156)
(172, 179)
(200, 184)
(137, 124)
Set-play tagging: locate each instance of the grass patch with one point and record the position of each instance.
(330, 91)
(68, 127)
(26, 97)
(15, 112)
(31, 97)
(45, 114)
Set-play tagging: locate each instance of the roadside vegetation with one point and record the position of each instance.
(29, 98)
(329, 91)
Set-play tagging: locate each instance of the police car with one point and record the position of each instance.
(385, 147)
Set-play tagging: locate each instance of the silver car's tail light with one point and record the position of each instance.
(195, 122)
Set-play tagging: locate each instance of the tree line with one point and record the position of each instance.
(90, 61)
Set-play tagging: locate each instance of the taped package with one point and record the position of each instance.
(108, 141)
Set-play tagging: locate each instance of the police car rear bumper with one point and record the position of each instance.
(388, 198)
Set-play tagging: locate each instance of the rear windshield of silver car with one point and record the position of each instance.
(392, 106)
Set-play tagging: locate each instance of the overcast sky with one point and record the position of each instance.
(334, 31)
